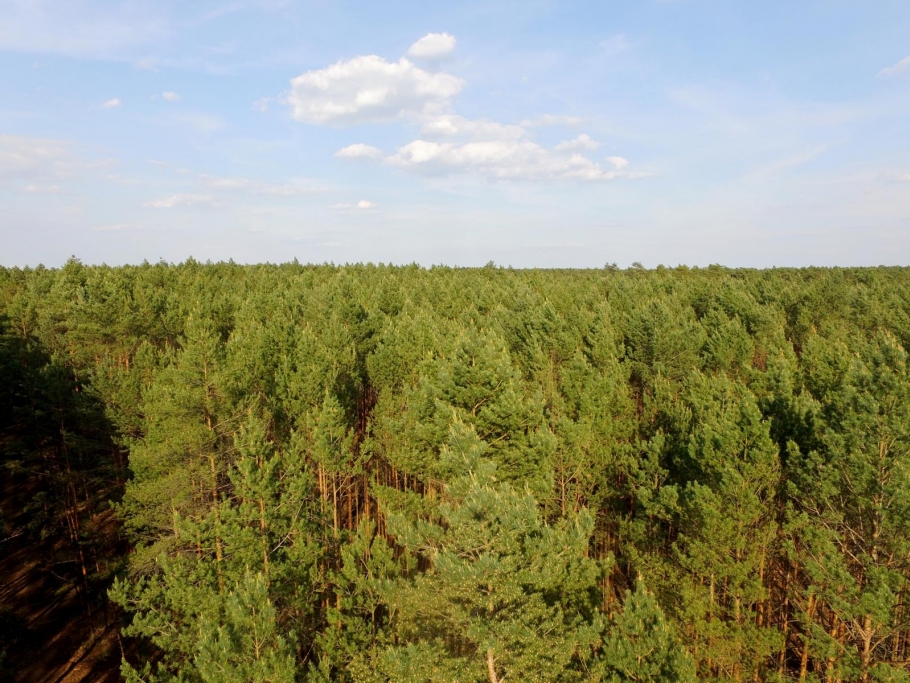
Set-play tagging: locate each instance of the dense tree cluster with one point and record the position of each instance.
(375, 473)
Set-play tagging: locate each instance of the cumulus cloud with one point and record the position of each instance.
(501, 160)
(581, 142)
(178, 200)
(895, 69)
(362, 205)
(450, 125)
(432, 46)
(113, 103)
(170, 96)
(618, 163)
(369, 89)
(359, 151)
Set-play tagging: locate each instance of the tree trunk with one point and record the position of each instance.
(804, 658)
(491, 667)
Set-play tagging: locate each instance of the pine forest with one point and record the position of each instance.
(377, 474)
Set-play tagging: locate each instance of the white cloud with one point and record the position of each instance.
(42, 189)
(450, 125)
(112, 103)
(286, 190)
(177, 200)
(501, 160)
(369, 89)
(170, 96)
(359, 151)
(896, 69)
(615, 45)
(81, 28)
(618, 163)
(583, 141)
(116, 227)
(552, 120)
(291, 189)
(790, 161)
(198, 121)
(362, 205)
(23, 154)
(432, 45)
(226, 183)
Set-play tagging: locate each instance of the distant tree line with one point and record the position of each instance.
(374, 473)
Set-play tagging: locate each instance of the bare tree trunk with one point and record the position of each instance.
(491, 667)
(804, 658)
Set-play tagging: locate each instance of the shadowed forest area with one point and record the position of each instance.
(277, 473)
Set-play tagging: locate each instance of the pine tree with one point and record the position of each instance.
(245, 644)
(642, 647)
(506, 595)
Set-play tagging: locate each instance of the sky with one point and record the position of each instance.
(529, 133)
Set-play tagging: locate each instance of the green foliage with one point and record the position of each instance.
(505, 589)
(244, 645)
(642, 646)
(378, 473)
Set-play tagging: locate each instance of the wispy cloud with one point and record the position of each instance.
(42, 163)
(895, 69)
(552, 120)
(258, 187)
(198, 121)
(42, 189)
(362, 205)
(81, 28)
(181, 200)
(114, 227)
(615, 45)
(113, 103)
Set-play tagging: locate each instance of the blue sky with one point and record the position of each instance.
(528, 133)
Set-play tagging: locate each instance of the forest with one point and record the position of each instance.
(376, 473)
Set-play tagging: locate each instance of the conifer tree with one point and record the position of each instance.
(245, 644)
(506, 595)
